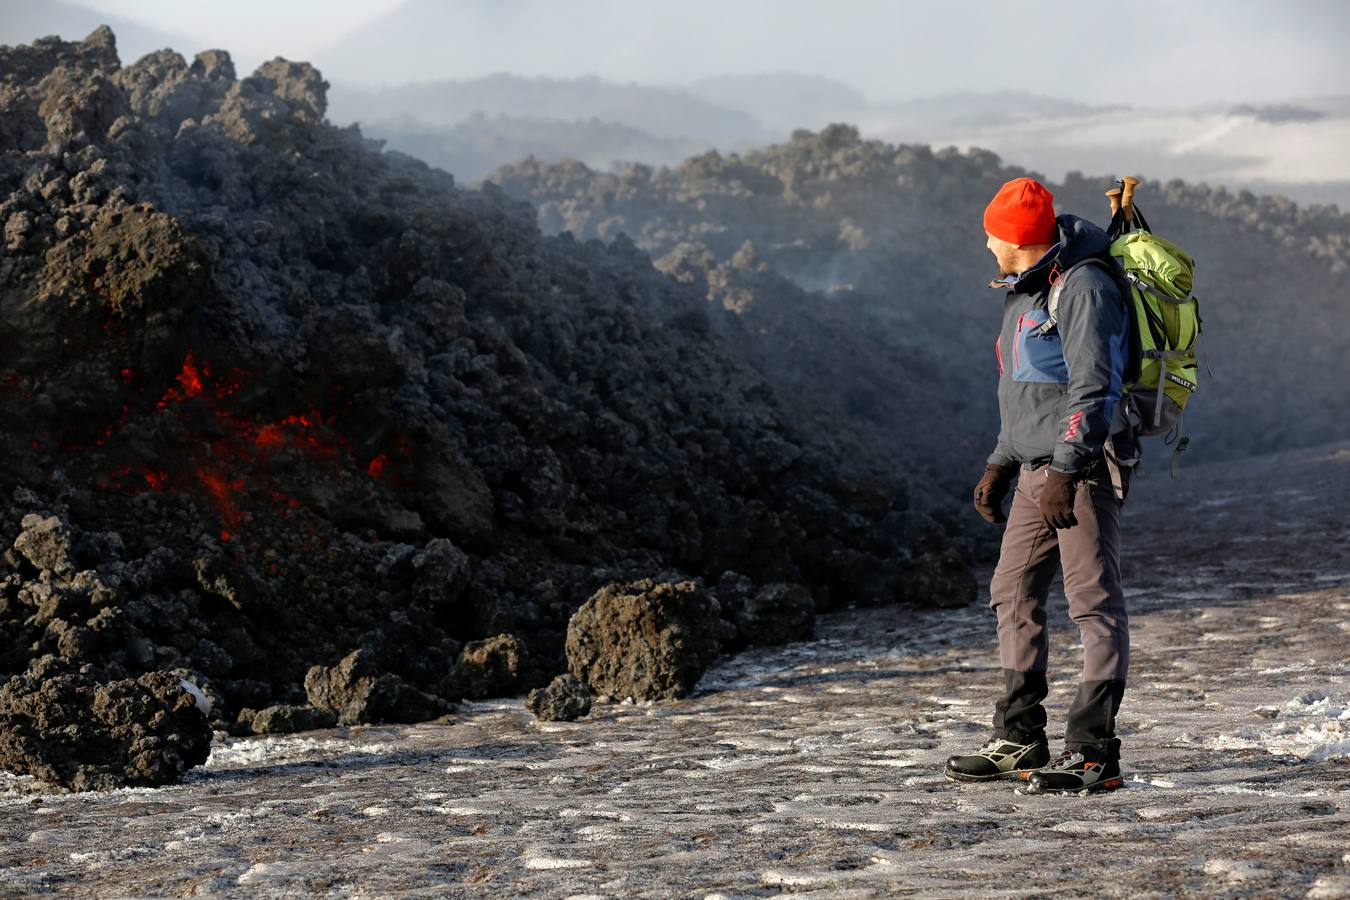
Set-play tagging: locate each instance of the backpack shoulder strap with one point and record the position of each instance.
(1056, 289)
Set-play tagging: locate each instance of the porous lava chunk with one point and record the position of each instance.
(45, 543)
(66, 728)
(359, 693)
(647, 639)
(564, 699)
(285, 718)
(491, 667)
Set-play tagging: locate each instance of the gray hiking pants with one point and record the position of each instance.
(1089, 554)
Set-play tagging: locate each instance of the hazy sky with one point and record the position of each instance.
(1184, 50)
(251, 29)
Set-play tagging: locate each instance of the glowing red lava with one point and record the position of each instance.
(229, 462)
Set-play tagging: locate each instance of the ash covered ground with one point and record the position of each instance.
(815, 768)
(273, 400)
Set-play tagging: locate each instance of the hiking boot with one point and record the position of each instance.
(999, 758)
(1072, 772)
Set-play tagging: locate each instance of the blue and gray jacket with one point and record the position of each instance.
(1058, 388)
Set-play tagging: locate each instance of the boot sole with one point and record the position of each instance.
(1010, 775)
(1109, 784)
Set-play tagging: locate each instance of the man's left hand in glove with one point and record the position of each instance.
(1057, 499)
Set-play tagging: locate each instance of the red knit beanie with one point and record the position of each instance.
(1022, 212)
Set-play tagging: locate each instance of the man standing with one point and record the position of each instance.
(1060, 380)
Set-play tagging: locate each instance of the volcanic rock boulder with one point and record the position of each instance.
(565, 698)
(65, 728)
(491, 667)
(45, 543)
(358, 693)
(648, 639)
(285, 718)
(772, 614)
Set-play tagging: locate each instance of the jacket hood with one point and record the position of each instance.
(1078, 240)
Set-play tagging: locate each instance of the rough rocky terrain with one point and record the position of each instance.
(301, 420)
(814, 767)
(851, 273)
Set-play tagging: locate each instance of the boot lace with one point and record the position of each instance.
(1061, 761)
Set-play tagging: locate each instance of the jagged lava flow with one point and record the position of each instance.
(273, 399)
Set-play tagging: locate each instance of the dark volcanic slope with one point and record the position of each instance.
(271, 396)
(894, 347)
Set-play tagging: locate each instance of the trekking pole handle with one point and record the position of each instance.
(1127, 196)
(1114, 196)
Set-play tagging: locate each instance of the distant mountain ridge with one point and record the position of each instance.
(1295, 147)
(473, 147)
(660, 111)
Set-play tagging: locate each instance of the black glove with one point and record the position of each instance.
(991, 490)
(1057, 499)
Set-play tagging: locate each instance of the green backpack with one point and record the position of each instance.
(1165, 329)
(1167, 316)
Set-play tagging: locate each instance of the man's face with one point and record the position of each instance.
(1004, 252)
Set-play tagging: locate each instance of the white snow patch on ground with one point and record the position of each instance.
(788, 879)
(269, 749)
(95, 858)
(274, 873)
(1329, 886)
(1235, 870)
(553, 862)
(1314, 726)
(13, 786)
